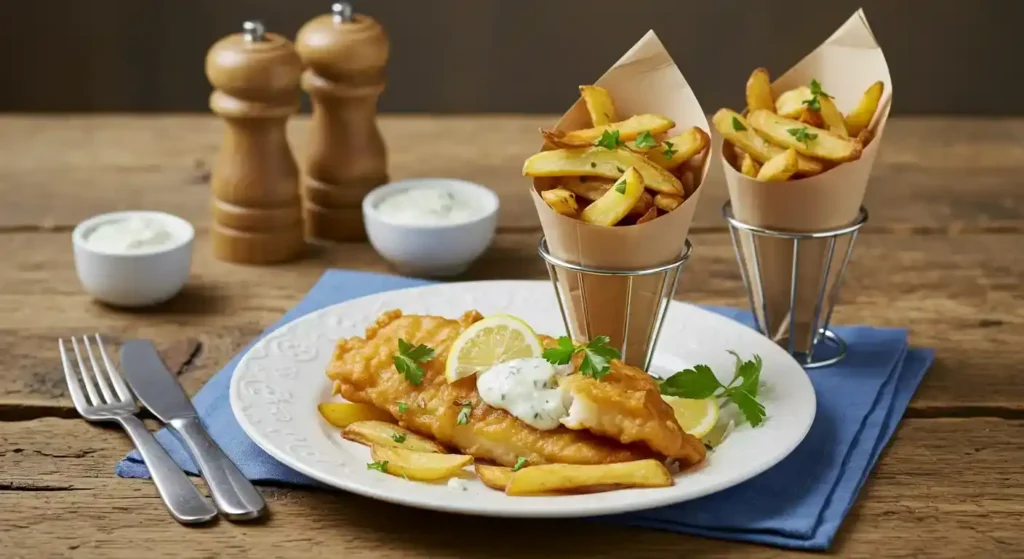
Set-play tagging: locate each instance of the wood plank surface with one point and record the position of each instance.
(933, 174)
(58, 498)
(958, 294)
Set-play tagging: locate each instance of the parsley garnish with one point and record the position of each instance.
(669, 151)
(596, 355)
(645, 140)
(700, 382)
(737, 125)
(402, 406)
(593, 165)
(609, 139)
(408, 358)
(467, 408)
(802, 135)
(520, 462)
(620, 186)
(620, 169)
(381, 466)
(814, 103)
(398, 438)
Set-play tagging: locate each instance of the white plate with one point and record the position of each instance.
(280, 381)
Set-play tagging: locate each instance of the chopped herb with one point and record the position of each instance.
(700, 382)
(408, 358)
(597, 355)
(816, 90)
(737, 125)
(609, 139)
(398, 437)
(645, 140)
(593, 165)
(380, 466)
(520, 463)
(620, 186)
(467, 408)
(802, 135)
(402, 406)
(620, 169)
(669, 150)
(405, 477)
(708, 447)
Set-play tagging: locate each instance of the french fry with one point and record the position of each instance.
(421, 466)
(811, 117)
(616, 203)
(791, 103)
(750, 167)
(738, 132)
(680, 148)
(667, 202)
(495, 477)
(548, 478)
(816, 142)
(628, 130)
(591, 189)
(599, 104)
(343, 414)
(380, 433)
(831, 117)
(561, 201)
(860, 117)
(600, 162)
(779, 168)
(759, 91)
(649, 216)
(688, 182)
(865, 136)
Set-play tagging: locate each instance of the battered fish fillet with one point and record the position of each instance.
(626, 405)
(363, 371)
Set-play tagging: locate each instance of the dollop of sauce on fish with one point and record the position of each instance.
(528, 389)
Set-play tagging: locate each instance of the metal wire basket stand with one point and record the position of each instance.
(823, 337)
(669, 280)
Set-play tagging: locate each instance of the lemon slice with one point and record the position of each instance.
(696, 417)
(493, 340)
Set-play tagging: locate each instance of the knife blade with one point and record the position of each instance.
(156, 387)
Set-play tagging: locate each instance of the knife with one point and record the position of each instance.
(159, 391)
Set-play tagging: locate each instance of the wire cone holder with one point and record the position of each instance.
(628, 306)
(792, 280)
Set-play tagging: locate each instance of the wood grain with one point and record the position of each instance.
(932, 175)
(929, 284)
(59, 497)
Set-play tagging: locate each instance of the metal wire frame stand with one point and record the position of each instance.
(669, 281)
(823, 337)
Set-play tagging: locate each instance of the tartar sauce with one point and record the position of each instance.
(427, 206)
(131, 234)
(458, 484)
(526, 388)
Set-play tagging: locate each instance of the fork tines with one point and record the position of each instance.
(89, 375)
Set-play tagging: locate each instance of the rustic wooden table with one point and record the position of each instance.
(941, 255)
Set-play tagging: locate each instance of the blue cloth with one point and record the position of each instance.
(798, 504)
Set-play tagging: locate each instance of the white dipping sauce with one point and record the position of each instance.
(526, 388)
(129, 235)
(458, 484)
(428, 206)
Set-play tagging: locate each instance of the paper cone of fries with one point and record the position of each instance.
(644, 81)
(845, 65)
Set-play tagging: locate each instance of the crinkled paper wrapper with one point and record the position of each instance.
(845, 65)
(644, 80)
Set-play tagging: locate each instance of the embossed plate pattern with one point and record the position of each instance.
(279, 382)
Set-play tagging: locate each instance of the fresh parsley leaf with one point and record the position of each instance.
(593, 165)
(645, 140)
(669, 150)
(596, 357)
(398, 437)
(813, 104)
(620, 169)
(737, 125)
(467, 408)
(751, 409)
(562, 354)
(802, 135)
(697, 383)
(620, 186)
(408, 358)
(609, 139)
(817, 91)
(750, 372)
(520, 463)
(380, 466)
(402, 406)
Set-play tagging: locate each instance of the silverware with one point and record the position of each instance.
(185, 503)
(159, 391)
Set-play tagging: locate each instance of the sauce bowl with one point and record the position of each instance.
(138, 278)
(432, 250)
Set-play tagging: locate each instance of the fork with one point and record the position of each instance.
(185, 503)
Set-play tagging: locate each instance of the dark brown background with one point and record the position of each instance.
(456, 56)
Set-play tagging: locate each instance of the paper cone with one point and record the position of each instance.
(644, 80)
(845, 64)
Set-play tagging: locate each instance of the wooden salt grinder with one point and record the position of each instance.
(345, 56)
(257, 208)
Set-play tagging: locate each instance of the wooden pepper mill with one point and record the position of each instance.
(257, 208)
(345, 56)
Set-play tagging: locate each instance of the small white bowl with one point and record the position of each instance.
(432, 250)
(139, 278)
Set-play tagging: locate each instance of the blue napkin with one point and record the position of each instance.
(798, 504)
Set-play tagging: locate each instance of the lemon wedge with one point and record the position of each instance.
(493, 340)
(696, 417)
